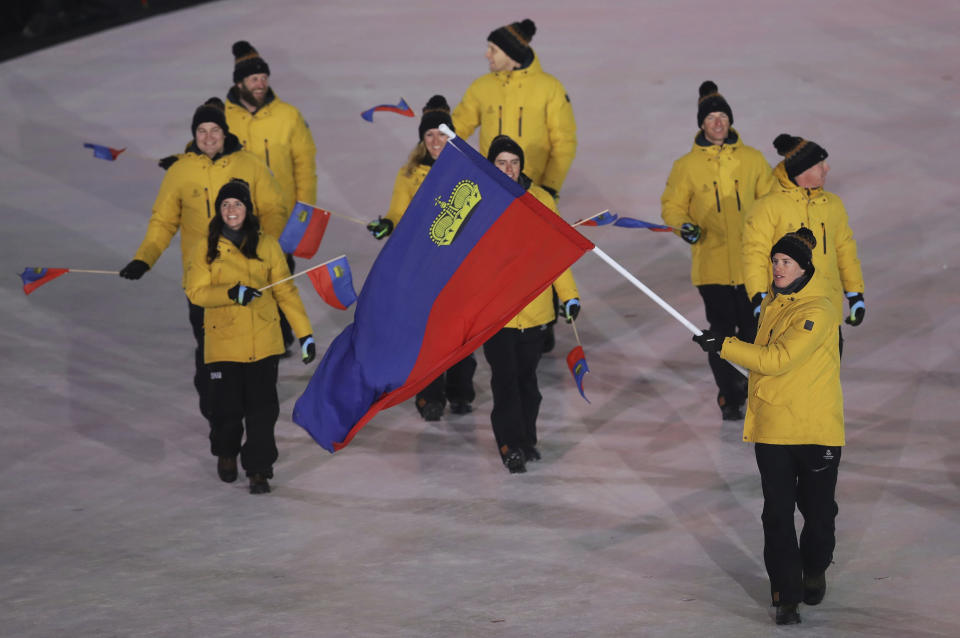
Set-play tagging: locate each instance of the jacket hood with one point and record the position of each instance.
(787, 185)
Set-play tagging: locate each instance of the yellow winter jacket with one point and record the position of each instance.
(531, 107)
(278, 135)
(244, 333)
(404, 188)
(541, 310)
(713, 187)
(785, 210)
(188, 196)
(794, 394)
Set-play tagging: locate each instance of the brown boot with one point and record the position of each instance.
(258, 484)
(227, 468)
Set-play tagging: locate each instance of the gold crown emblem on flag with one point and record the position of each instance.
(454, 212)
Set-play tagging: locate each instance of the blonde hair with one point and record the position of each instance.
(419, 155)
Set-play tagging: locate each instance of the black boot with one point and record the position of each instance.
(227, 468)
(430, 410)
(531, 453)
(259, 484)
(787, 614)
(461, 407)
(513, 460)
(814, 588)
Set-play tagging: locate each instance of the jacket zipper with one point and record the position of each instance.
(500, 120)
(206, 195)
(736, 189)
(266, 151)
(823, 227)
(716, 193)
(520, 124)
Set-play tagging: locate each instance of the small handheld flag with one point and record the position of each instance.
(577, 362)
(304, 230)
(104, 152)
(600, 219)
(33, 278)
(334, 283)
(630, 222)
(402, 108)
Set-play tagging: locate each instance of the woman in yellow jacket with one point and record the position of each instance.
(241, 327)
(795, 418)
(514, 351)
(456, 384)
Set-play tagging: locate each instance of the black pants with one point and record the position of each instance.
(805, 476)
(200, 376)
(243, 396)
(729, 312)
(513, 356)
(454, 385)
(285, 328)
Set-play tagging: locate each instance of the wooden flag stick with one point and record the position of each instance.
(302, 272)
(576, 334)
(584, 221)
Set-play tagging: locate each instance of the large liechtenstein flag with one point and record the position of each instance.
(472, 249)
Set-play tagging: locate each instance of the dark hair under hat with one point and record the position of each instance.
(798, 246)
(210, 111)
(237, 189)
(435, 112)
(504, 144)
(711, 102)
(798, 154)
(247, 61)
(514, 39)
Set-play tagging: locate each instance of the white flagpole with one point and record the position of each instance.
(656, 298)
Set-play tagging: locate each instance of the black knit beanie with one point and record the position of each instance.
(711, 102)
(514, 39)
(237, 189)
(435, 112)
(798, 246)
(501, 144)
(798, 154)
(210, 111)
(247, 61)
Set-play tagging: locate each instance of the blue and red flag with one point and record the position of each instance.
(577, 362)
(402, 108)
(33, 278)
(474, 248)
(630, 222)
(334, 283)
(303, 233)
(104, 152)
(604, 218)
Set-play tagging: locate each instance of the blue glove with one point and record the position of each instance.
(380, 227)
(690, 233)
(571, 308)
(857, 308)
(308, 349)
(243, 294)
(757, 298)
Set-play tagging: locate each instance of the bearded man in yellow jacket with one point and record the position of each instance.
(795, 419)
(708, 193)
(518, 99)
(186, 199)
(799, 200)
(515, 350)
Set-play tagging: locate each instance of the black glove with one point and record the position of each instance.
(570, 309)
(710, 341)
(690, 233)
(380, 227)
(134, 270)
(168, 161)
(308, 349)
(243, 294)
(857, 308)
(755, 302)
